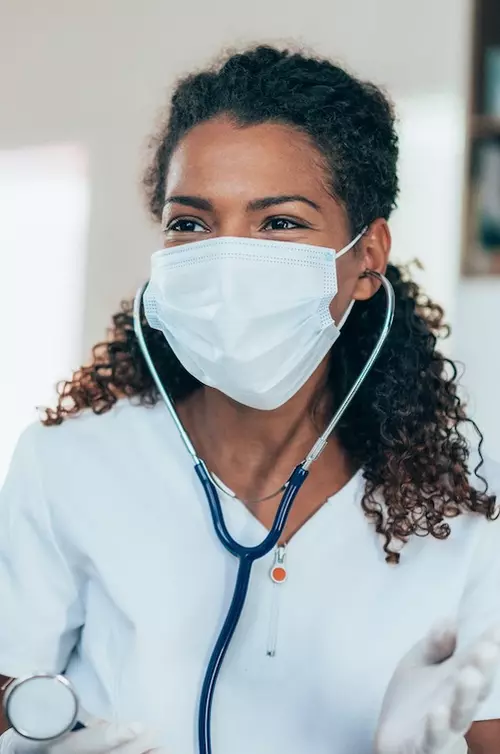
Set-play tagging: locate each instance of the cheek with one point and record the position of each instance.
(347, 278)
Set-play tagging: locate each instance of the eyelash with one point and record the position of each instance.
(276, 218)
(179, 220)
(268, 221)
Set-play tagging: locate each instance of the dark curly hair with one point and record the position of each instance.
(404, 425)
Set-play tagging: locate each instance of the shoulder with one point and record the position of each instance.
(81, 473)
(90, 435)
(483, 466)
(490, 471)
(479, 607)
(87, 451)
(124, 416)
(484, 476)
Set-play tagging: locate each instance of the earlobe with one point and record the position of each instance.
(366, 287)
(376, 247)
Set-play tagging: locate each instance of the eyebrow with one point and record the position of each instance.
(197, 202)
(273, 201)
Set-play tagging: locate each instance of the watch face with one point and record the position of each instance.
(41, 707)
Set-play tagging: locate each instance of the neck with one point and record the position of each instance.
(253, 452)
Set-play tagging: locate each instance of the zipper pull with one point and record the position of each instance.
(278, 575)
(278, 571)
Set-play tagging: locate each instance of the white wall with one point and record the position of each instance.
(477, 346)
(43, 219)
(95, 73)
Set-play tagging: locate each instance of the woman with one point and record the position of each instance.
(110, 568)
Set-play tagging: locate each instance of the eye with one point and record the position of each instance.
(282, 223)
(185, 225)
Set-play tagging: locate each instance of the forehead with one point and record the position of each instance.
(265, 159)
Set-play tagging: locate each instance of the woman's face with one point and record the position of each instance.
(265, 181)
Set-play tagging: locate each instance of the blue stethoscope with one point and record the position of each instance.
(248, 555)
(25, 697)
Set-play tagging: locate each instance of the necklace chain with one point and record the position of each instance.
(222, 487)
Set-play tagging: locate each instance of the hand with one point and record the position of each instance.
(98, 737)
(435, 693)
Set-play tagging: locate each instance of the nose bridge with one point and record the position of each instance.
(231, 215)
(236, 225)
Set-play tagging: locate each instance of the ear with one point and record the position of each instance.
(374, 249)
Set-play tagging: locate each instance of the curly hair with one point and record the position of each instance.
(404, 427)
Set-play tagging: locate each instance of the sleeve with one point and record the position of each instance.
(480, 604)
(40, 604)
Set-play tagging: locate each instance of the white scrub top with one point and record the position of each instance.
(110, 570)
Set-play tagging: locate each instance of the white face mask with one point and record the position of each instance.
(248, 317)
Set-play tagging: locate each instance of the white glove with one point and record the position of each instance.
(99, 737)
(435, 693)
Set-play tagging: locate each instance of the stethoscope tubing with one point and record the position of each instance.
(292, 487)
(248, 555)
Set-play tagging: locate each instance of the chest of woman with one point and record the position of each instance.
(311, 657)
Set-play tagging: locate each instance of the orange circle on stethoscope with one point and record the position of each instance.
(278, 574)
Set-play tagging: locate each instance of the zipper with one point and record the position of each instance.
(278, 575)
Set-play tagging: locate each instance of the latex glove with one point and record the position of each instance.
(99, 737)
(435, 693)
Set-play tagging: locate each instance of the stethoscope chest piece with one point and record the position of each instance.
(41, 707)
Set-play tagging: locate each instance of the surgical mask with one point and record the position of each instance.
(248, 317)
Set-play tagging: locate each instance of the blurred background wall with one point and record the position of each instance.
(81, 86)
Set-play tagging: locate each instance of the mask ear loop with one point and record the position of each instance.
(341, 254)
(345, 315)
(352, 243)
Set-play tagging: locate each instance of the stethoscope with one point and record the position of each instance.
(42, 707)
(20, 703)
